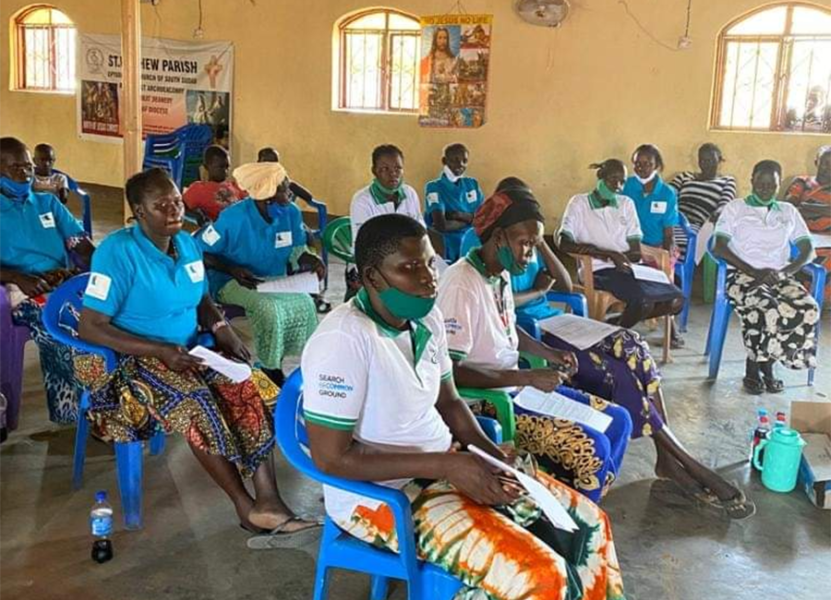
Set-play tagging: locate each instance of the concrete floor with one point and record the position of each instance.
(191, 547)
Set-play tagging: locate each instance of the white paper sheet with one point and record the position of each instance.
(561, 407)
(302, 283)
(704, 235)
(552, 508)
(821, 240)
(236, 372)
(580, 332)
(644, 273)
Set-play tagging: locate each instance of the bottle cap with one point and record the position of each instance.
(761, 411)
(100, 496)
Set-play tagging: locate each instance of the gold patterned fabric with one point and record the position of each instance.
(214, 414)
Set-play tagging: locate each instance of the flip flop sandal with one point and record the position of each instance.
(773, 385)
(739, 507)
(753, 386)
(677, 343)
(280, 538)
(322, 306)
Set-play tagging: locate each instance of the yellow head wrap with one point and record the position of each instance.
(260, 180)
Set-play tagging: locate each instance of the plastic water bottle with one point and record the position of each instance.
(761, 432)
(101, 525)
(781, 420)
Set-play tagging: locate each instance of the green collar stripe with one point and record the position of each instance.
(754, 201)
(329, 421)
(595, 201)
(421, 334)
(447, 376)
(474, 257)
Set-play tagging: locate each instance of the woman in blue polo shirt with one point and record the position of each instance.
(146, 299)
(262, 238)
(37, 233)
(657, 206)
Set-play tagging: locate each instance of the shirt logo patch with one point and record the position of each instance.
(98, 286)
(452, 326)
(47, 220)
(210, 236)
(196, 271)
(658, 208)
(471, 196)
(333, 386)
(282, 239)
(432, 198)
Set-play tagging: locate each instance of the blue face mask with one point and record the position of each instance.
(16, 190)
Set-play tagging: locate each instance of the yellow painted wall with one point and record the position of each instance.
(559, 99)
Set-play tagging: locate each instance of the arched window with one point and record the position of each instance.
(377, 62)
(774, 70)
(44, 50)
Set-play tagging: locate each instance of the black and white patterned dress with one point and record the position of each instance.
(700, 200)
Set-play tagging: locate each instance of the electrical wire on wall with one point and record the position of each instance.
(684, 41)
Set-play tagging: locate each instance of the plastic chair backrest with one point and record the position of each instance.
(469, 242)
(337, 238)
(60, 318)
(86, 201)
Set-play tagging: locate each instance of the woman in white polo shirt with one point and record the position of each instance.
(484, 344)
(754, 235)
(380, 404)
(604, 225)
(387, 194)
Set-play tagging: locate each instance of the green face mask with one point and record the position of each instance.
(506, 258)
(755, 199)
(405, 306)
(604, 191)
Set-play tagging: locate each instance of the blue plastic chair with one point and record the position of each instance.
(720, 319)
(61, 322)
(340, 550)
(685, 270)
(86, 201)
(179, 152)
(575, 301)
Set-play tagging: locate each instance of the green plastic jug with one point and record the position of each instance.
(783, 451)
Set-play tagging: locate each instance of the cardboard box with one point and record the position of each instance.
(813, 421)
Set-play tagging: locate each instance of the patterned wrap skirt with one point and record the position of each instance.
(778, 321)
(62, 392)
(504, 553)
(621, 368)
(142, 396)
(281, 323)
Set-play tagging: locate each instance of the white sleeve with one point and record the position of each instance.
(360, 211)
(444, 356)
(800, 228)
(571, 224)
(335, 373)
(458, 307)
(633, 224)
(726, 220)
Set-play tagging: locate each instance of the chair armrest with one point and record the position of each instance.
(492, 429)
(818, 278)
(584, 262)
(574, 300)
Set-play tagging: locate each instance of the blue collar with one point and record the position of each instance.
(152, 251)
(659, 186)
(30, 199)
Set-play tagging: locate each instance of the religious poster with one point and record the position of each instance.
(181, 82)
(453, 78)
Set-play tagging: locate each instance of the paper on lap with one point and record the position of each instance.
(558, 406)
(704, 235)
(644, 273)
(580, 332)
(821, 240)
(236, 372)
(549, 504)
(302, 283)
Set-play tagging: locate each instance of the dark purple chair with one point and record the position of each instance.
(12, 340)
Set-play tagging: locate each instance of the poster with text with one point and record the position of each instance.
(181, 82)
(453, 74)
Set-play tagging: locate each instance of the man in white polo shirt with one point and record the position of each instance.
(755, 236)
(380, 405)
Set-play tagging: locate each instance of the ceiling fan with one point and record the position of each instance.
(543, 13)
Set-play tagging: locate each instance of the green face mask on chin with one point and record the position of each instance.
(405, 306)
(505, 256)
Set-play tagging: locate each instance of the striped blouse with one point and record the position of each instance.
(700, 200)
